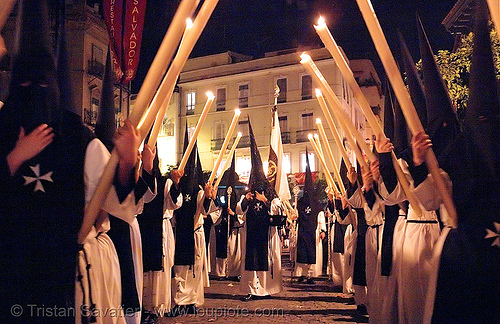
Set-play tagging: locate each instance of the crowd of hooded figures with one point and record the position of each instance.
(157, 237)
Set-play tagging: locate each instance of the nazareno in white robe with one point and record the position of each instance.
(262, 283)
(234, 250)
(314, 270)
(189, 281)
(158, 284)
(415, 268)
(104, 272)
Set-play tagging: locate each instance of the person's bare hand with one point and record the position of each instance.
(375, 171)
(383, 145)
(127, 142)
(367, 179)
(176, 175)
(352, 175)
(209, 192)
(29, 146)
(148, 155)
(260, 196)
(249, 195)
(230, 211)
(345, 203)
(322, 235)
(420, 142)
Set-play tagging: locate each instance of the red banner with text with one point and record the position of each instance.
(125, 23)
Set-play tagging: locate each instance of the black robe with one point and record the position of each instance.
(257, 241)
(40, 220)
(221, 235)
(306, 236)
(184, 227)
(151, 224)
(338, 229)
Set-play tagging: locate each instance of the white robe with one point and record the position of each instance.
(262, 283)
(158, 284)
(421, 234)
(104, 273)
(314, 270)
(189, 281)
(234, 250)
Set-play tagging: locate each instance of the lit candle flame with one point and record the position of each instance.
(305, 58)
(210, 95)
(318, 93)
(318, 120)
(321, 22)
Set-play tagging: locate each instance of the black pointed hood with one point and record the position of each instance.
(189, 182)
(442, 121)
(401, 143)
(308, 182)
(106, 123)
(388, 113)
(257, 177)
(481, 125)
(343, 173)
(34, 89)
(413, 81)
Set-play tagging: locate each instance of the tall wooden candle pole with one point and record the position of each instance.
(331, 124)
(331, 45)
(329, 151)
(228, 137)
(328, 175)
(153, 137)
(404, 99)
(145, 95)
(494, 6)
(168, 83)
(343, 119)
(229, 157)
(201, 121)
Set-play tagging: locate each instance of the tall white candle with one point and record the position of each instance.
(321, 159)
(392, 71)
(228, 159)
(331, 45)
(329, 151)
(229, 134)
(343, 119)
(192, 141)
(331, 124)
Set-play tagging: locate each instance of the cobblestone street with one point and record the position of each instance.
(297, 303)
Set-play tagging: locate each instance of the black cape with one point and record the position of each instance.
(306, 236)
(257, 244)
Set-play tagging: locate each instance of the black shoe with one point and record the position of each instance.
(362, 310)
(190, 309)
(310, 281)
(301, 279)
(174, 312)
(248, 297)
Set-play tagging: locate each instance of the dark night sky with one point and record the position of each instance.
(254, 27)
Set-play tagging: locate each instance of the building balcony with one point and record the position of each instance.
(244, 142)
(285, 137)
(302, 135)
(96, 68)
(216, 143)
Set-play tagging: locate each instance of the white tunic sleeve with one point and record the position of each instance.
(96, 159)
(321, 221)
(357, 200)
(239, 209)
(168, 203)
(428, 193)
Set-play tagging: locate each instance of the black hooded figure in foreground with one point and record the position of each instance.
(48, 161)
(261, 275)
